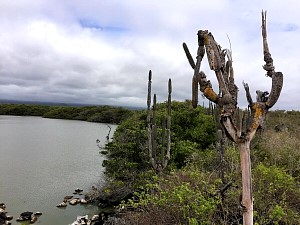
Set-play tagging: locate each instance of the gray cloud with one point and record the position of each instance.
(100, 52)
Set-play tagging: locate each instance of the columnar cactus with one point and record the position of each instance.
(162, 139)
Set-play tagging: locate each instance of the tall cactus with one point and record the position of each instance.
(159, 160)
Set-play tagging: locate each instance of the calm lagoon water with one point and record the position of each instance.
(43, 160)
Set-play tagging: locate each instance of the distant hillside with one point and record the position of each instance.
(7, 101)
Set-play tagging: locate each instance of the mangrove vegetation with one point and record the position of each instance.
(99, 114)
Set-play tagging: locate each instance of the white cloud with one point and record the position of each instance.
(100, 52)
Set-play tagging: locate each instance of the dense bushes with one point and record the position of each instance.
(129, 151)
(102, 114)
(276, 195)
(23, 110)
(191, 191)
(187, 195)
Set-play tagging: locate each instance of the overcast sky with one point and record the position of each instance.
(100, 51)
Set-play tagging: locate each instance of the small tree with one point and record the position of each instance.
(221, 62)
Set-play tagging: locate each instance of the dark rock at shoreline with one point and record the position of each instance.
(77, 190)
(84, 220)
(2, 206)
(74, 201)
(25, 216)
(32, 217)
(9, 217)
(68, 197)
(4, 219)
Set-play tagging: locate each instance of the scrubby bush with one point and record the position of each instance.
(281, 149)
(191, 190)
(182, 196)
(276, 196)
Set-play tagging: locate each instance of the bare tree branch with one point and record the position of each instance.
(248, 95)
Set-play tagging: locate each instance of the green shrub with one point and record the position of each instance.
(276, 196)
(183, 196)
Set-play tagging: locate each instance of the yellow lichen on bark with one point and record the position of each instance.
(210, 94)
(259, 115)
(206, 39)
(256, 116)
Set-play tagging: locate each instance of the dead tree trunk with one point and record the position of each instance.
(221, 62)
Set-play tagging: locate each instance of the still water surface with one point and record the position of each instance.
(43, 160)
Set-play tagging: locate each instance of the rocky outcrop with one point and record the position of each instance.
(68, 197)
(4, 218)
(83, 201)
(75, 200)
(29, 216)
(62, 205)
(84, 220)
(25, 216)
(78, 191)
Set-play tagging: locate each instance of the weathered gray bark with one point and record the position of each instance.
(247, 200)
(220, 61)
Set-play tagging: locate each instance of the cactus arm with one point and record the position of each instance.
(188, 55)
(149, 124)
(277, 77)
(195, 91)
(149, 91)
(168, 153)
(277, 83)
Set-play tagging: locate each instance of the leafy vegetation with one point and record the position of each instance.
(191, 190)
(101, 114)
(128, 151)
